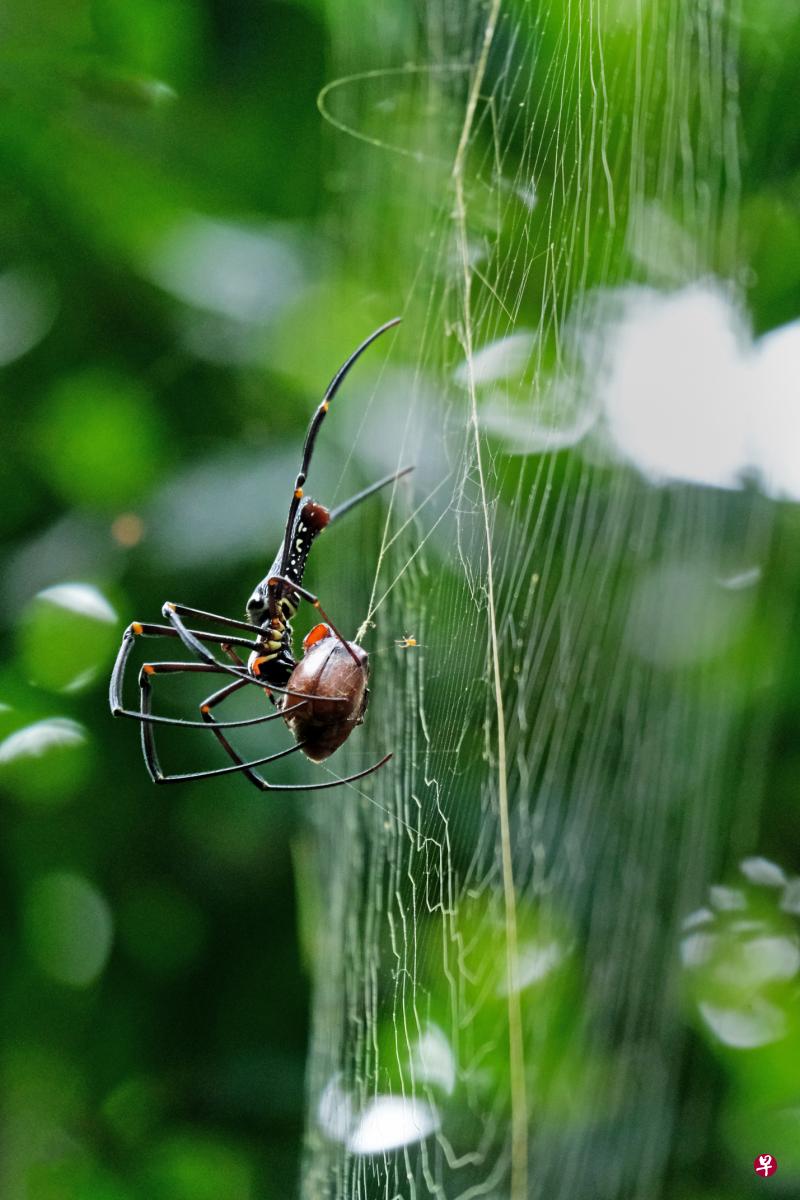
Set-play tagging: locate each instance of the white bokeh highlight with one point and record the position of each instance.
(38, 739)
(687, 394)
(382, 1124)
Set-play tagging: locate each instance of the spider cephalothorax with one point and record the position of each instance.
(321, 698)
(273, 606)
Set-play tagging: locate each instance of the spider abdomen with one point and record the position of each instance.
(329, 673)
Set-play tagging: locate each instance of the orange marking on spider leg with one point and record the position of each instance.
(298, 493)
(136, 627)
(149, 669)
(204, 708)
(255, 667)
(325, 405)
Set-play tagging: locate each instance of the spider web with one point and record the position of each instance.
(496, 1008)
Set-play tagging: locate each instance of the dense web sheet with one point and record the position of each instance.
(496, 1003)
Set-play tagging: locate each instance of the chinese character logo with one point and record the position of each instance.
(765, 1165)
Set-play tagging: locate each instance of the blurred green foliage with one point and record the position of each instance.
(154, 1006)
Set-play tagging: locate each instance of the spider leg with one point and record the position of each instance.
(246, 768)
(137, 629)
(253, 776)
(313, 430)
(233, 656)
(216, 726)
(167, 668)
(158, 776)
(346, 505)
(192, 643)
(228, 622)
(148, 734)
(148, 719)
(215, 639)
(316, 787)
(312, 599)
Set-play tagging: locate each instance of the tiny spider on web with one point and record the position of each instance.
(321, 697)
(407, 643)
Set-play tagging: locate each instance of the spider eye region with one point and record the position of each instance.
(256, 608)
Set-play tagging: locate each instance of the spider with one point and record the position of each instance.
(321, 698)
(407, 642)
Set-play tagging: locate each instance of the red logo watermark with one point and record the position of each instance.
(765, 1165)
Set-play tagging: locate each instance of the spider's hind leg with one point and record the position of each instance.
(347, 505)
(214, 726)
(148, 720)
(145, 711)
(205, 712)
(247, 768)
(148, 731)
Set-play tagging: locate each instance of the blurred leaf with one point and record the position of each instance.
(160, 37)
(193, 1167)
(120, 87)
(314, 339)
(771, 224)
(27, 311)
(67, 635)
(68, 928)
(74, 1177)
(46, 762)
(161, 929)
(42, 1084)
(133, 1109)
(99, 439)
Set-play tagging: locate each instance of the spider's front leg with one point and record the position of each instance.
(175, 613)
(136, 630)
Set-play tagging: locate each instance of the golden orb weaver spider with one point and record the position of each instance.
(407, 642)
(321, 697)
